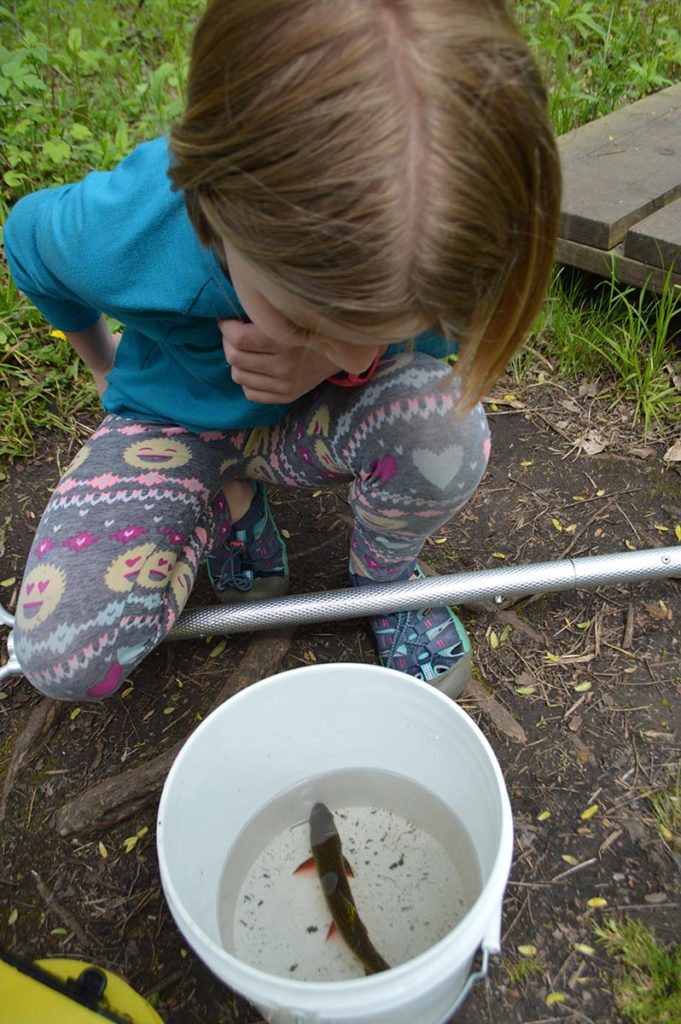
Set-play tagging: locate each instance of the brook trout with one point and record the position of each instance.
(330, 864)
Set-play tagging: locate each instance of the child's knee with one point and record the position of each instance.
(92, 668)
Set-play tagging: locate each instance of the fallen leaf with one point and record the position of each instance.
(673, 454)
(592, 443)
(527, 950)
(103, 852)
(218, 649)
(543, 815)
(582, 687)
(642, 453)
(589, 812)
(13, 915)
(555, 997)
(582, 947)
(597, 902)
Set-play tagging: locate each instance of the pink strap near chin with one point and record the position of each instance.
(355, 380)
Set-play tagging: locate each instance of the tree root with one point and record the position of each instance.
(119, 797)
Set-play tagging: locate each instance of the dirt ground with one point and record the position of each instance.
(583, 708)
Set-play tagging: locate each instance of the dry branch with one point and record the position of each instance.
(119, 797)
(41, 723)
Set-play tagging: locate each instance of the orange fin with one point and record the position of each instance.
(332, 931)
(348, 868)
(307, 865)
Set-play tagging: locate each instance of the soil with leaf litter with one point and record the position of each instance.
(579, 694)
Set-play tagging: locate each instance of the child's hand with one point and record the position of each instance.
(269, 371)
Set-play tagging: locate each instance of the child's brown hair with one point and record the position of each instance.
(389, 162)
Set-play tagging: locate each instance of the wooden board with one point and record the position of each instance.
(656, 240)
(622, 192)
(600, 261)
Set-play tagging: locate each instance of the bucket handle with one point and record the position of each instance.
(460, 999)
(465, 991)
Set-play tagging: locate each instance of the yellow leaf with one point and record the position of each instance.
(582, 947)
(74, 713)
(8, 582)
(589, 812)
(527, 462)
(599, 494)
(505, 633)
(677, 531)
(596, 902)
(218, 649)
(169, 710)
(58, 334)
(285, 534)
(557, 524)
(493, 640)
(525, 690)
(543, 815)
(441, 540)
(662, 529)
(666, 833)
(498, 554)
(552, 657)
(527, 950)
(628, 544)
(13, 915)
(582, 687)
(127, 691)
(555, 997)
(569, 859)
(315, 494)
(103, 852)
(130, 843)
(143, 831)
(571, 528)
(584, 625)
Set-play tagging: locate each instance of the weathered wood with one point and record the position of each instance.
(627, 271)
(656, 240)
(119, 797)
(621, 168)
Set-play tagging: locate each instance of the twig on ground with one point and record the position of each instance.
(60, 911)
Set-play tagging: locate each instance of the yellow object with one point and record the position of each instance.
(27, 995)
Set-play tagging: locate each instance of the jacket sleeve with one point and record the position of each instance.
(41, 245)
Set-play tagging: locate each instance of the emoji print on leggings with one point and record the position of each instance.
(158, 452)
(78, 460)
(122, 573)
(40, 594)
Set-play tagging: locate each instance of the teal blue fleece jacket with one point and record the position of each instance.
(120, 242)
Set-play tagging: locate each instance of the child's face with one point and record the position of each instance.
(287, 321)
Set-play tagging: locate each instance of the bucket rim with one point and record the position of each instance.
(482, 917)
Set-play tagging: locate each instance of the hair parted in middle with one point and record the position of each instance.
(391, 163)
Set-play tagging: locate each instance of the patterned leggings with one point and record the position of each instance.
(121, 540)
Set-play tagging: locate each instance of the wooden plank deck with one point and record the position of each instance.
(622, 192)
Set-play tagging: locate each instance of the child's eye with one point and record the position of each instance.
(300, 333)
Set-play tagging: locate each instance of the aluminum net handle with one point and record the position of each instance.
(434, 591)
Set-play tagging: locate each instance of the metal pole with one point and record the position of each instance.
(409, 595)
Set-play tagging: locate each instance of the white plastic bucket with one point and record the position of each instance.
(279, 733)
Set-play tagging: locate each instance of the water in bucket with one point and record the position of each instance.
(415, 874)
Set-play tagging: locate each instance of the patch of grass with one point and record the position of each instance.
(598, 55)
(523, 971)
(647, 983)
(623, 337)
(666, 806)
